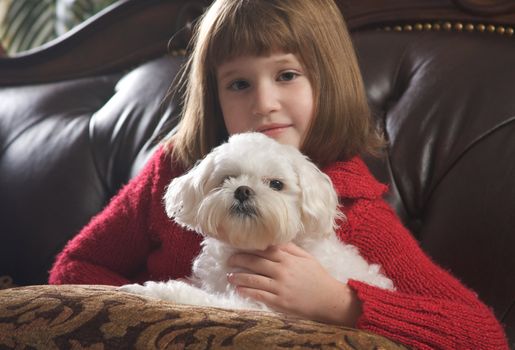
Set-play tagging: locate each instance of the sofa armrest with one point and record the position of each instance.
(73, 316)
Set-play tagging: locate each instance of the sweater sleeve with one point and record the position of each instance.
(429, 309)
(113, 247)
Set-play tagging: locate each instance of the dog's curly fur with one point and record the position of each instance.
(248, 194)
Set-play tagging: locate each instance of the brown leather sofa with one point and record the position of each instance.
(81, 115)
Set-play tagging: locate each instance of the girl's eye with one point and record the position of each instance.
(288, 76)
(276, 185)
(238, 85)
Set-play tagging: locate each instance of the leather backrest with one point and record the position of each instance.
(65, 149)
(447, 104)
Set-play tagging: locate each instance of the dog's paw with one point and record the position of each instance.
(133, 289)
(154, 289)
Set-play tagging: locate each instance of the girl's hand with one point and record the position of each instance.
(290, 280)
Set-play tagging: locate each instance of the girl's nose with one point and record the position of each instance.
(266, 100)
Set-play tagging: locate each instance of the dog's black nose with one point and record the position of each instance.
(243, 193)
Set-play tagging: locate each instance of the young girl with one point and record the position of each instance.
(285, 68)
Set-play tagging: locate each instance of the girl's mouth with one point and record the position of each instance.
(273, 129)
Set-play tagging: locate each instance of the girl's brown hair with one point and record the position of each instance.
(313, 30)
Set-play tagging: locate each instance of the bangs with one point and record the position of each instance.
(250, 30)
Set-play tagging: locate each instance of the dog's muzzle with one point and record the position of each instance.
(243, 205)
(243, 193)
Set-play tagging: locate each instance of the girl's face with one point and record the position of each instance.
(269, 94)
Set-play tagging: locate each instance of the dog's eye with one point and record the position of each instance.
(276, 185)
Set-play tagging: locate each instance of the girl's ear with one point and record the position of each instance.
(319, 199)
(185, 193)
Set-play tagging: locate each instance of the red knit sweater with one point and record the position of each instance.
(133, 240)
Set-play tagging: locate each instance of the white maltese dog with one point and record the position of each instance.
(248, 194)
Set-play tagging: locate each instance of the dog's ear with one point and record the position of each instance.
(185, 193)
(319, 199)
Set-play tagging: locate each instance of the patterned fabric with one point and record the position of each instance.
(26, 24)
(99, 317)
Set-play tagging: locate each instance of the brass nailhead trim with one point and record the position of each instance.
(448, 26)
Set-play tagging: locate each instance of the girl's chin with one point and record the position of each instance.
(284, 136)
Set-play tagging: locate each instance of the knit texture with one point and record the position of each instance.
(132, 240)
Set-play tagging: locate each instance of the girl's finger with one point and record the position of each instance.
(254, 263)
(294, 249)
(259, 295)
(272, 253)
(252, 281)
